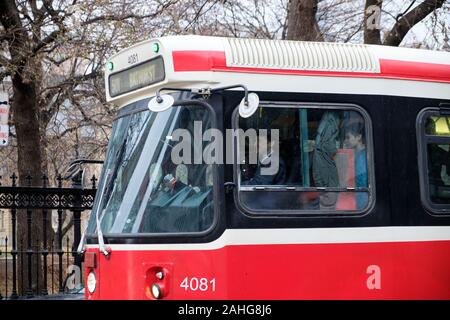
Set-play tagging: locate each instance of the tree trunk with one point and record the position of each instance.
(26, 122)
(27, 129)
(29, 163)
(302, 23)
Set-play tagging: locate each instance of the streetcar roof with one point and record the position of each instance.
(200, 60)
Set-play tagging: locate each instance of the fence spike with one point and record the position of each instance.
(14, 179)
(44, 180)
(94, 180)
(29, 178)
(59, 178)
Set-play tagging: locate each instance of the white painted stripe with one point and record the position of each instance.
(411, 54)
(234, 237)
(312, 84)
(338, 85)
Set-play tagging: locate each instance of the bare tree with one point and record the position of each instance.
(53, 52)
(386, 22)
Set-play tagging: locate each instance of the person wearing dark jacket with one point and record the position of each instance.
(266, 160)
(270, 171)
(325, 172)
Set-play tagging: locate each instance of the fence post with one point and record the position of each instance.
(22, 258)
(6, 275)
(67, 253)
(14, 253)
(14, 294)
(53, 265)
(6, 267)
(60, 247)
(29, 292)
(77, 184)
(6, 261)
(44, 240)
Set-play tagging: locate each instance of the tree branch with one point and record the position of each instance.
(37, 13)
(46, 41)
(67, 227)
(10, 21)
(409, 20)
(112, 17)
(3, 75)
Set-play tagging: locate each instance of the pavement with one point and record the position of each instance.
(73, 295)
(78, 296)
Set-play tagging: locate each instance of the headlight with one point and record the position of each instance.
(156, 291)
(91, 282)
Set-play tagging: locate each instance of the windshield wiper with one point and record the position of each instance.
(101, 242)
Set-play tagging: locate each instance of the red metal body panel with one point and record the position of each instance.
(198, 60)
(408, 270)
(390, 69)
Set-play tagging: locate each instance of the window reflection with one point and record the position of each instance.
(438, 126)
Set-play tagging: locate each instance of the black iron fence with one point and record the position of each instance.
(38, 260)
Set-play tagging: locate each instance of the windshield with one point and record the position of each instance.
(144, 188)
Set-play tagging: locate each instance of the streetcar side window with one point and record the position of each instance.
(304, 159)
(434, 157)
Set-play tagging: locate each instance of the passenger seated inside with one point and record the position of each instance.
(265, 160)
(354, 139)
(183, 200)
(181, 203)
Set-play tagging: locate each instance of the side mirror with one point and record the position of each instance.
(161, 103)
(249, 105)
(79, 174)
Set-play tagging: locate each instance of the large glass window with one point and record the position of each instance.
(434, 155)
(304, 159)
(143, 189)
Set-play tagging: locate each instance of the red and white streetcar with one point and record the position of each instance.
(357, 207)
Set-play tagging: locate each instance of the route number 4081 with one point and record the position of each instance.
(198, 284)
